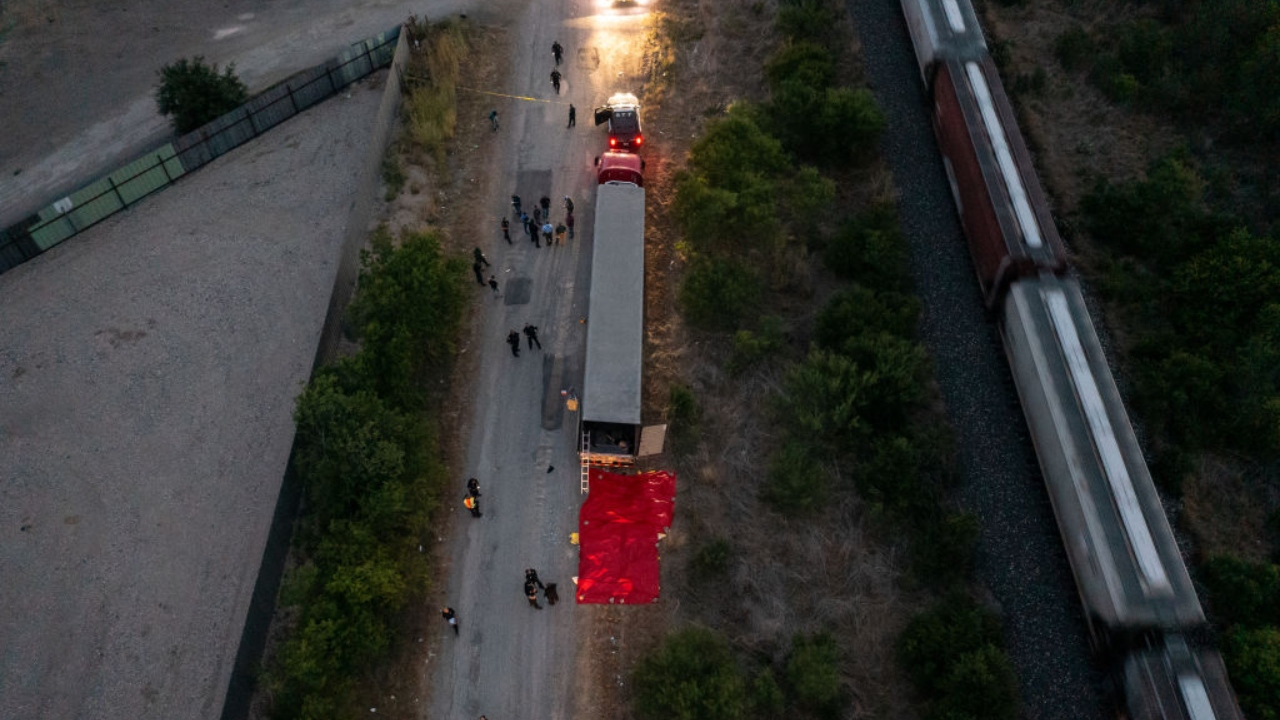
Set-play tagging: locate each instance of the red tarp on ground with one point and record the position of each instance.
(618, 536)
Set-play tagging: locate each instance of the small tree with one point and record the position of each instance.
(192, 93)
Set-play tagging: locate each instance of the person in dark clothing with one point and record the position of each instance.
(568, 204)
(473, 504)
(531, 577)
(546, 233)
(555, 80)
(515, 203)
(568, 221)
(557, 51)
(553, 596)
(531, 332)
(452, 618)
(493, 283)
(573, 115)
(531, 592)
(537, 216)
(473, 487)
(506, 230)
(528, 224)
(478, 254)
(475, 267)
(513, 339)
(560, 234)
(545, 202)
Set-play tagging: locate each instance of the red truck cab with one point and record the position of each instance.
(620, 167)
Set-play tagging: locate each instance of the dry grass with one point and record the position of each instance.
(786, 576)
(431, 109)
(1225, 512)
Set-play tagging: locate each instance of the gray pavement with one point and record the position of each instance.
(148, 369)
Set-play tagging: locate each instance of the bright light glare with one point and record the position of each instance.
(615, 9)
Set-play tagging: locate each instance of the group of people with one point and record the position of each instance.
(530, 333)
(540, 222)
(531, 586)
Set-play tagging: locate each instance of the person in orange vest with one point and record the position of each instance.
(472, 503)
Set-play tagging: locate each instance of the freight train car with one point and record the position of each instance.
(1170, 681)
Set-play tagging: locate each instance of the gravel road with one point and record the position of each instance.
(513, 661)
(147, 374)
(1021, 558)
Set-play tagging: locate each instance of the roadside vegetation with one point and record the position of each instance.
(1186, 258)
(192, 93)
(826, 565)
(370, 458)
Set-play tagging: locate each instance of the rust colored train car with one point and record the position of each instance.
(1001, 204)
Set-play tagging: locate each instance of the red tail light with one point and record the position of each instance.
(639, 140)
(613, 142)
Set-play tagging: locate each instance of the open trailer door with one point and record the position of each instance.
(652, 439)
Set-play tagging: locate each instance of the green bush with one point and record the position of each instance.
(796, 482)
(718, 293)
(393, 175)
(891, 476)
(767, 699)
(857, 311)
(193, 94)
(733, 151)
(935, 640)
(980, 685)
(682, 406)
(808, 62)
(712, 559)
(826, 125)
(1253, 661)
(808, 20)
(870, 249)
(826, 398)
(943, 548)
(1074, 48)
(1243, 593)
(729, 223)
(691, 676)
(750, 348)
(813, 675)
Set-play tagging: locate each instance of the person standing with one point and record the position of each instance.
(513, 339)
(531, 577)
(546, 233)
(573, 115)
(568, 204)
(545, 202)
(557, 51)
(560, 234)
(569, 221)
(473, 487)
(506, 230)
(555, 80)
(531, 333)
(493, 284)
(493, 119)
(475, 267)
(537, 215)
(473, 504)
(478, 254)
(531, 592)
(450, 617)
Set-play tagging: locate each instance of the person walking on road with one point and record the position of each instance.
(531, 592)
(537, 215)
(557, 51)
(515, 203)
(568, 204)
(493, 119)
(473, 504)
(506, 230)
(531, 576)
(527, 223)
(546, 233)
(473, 487)
(555, 80)
(573, 115)
(513, 339)
(560, 234)
(545, 202)
(478, 254)
(569, 222)
(531, 333)
(450, 617)
(475, 267)
(493, 284)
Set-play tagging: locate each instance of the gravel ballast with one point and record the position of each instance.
(1021, 559)
(148, 369)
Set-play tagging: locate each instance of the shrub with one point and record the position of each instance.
(717, 293)
(192, 93)
(1073, 48)
(808, 62)
(393, 175)
(796, 483)
(813, 675)
(980, 684)
(943, 548)
(733, 151)
(1243, 593)
(936, 639)
(857, 311)
(767, 700)
(723, 222)
(826, 397)
(712, 559)
(691, 676)
(870, 249)
(750, 347)
(808, 20)
(1253, 658)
